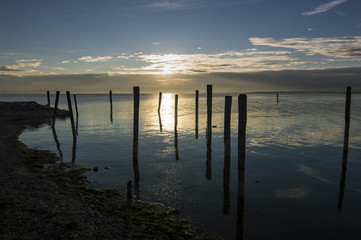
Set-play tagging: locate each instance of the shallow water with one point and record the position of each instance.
(293, 160)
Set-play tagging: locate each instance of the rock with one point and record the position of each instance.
(107, 168)
(95, 169)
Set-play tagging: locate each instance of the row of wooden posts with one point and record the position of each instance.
(242, 122)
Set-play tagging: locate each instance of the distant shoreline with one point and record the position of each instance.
(201, 92)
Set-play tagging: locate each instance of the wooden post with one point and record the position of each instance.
(135, 140)
(209, 108)
(48, 96)
(209, 133)
(111, 105)
(345, 148)
(176, 127)
(227, 154)
(55, 107)
(197, 106)
(129, 205)
(277, 97)
(71, 113)
(76, 106)
(176, 112)
(160, 102)
(242, 122)
(77, 115)
(227, 118)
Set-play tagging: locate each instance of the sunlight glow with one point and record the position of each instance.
(167, 111)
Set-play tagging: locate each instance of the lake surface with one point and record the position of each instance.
(293, 160)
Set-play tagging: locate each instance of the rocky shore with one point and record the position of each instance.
(42, 198)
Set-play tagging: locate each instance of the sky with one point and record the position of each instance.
(179, 46)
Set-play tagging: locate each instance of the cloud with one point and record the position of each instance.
(166, 5)
(11, 69)
(236, 61)
(64, 62)
(156, 43)
(95, 59)
(324, 7)
(342, 47)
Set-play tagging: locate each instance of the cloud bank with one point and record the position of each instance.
(321, 79)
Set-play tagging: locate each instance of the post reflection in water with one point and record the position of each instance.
(160, 122)
(57, 143)
(345, 149)
(135, 141)
(73, 152)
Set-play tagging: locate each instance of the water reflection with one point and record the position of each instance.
(160, 122)
(73, 152)
(57, 143)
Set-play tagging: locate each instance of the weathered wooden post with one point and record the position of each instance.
(345, 148)
(48, 97)
(209, 108)
(277, 97)
(197, 105)
(227, 154)
(160, 102)
(76, 106)
(111, 105)
(55, 107)
(129, 205)
(176, 112)
(227, 118)
(135, 140)
(77, 115)
(242, 122)
(176, 127)
(71, 113)
(209, 133)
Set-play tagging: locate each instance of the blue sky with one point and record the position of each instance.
(239, 45)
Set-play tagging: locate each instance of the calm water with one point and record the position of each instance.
(293, 160)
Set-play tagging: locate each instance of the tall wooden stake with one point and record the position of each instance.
(197, 106)
(160, 102)
(345, 148)
(71, 113)
(48, 97)
(55, 107)
(242, 122)
(111, 105)
(135, 140)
